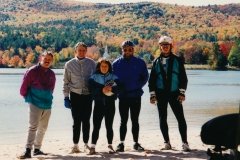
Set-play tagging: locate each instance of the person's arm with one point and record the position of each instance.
(182, 81)
(144, 74)
(26, 83)
(94, 87)
(118, 88)
(53, 86)
(66, 90)
(66, 81)
(152, 83)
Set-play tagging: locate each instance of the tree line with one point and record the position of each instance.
(22, 46)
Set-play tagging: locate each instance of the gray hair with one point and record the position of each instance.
(47, 53)
(80, 44)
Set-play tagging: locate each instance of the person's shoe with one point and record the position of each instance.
(167, 146)
(186, 147)
(75, 149)
(120, 147)
(39, 152)
(110, 149)
(91, 151)
(86, 148)
(25, 155)
(138, 147)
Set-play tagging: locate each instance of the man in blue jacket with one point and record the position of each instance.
(133, 75)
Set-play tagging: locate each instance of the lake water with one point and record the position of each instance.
(209, 94)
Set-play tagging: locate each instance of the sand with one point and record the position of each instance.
(152, 142)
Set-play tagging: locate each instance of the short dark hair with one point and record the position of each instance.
(80, 44)
(103, 61)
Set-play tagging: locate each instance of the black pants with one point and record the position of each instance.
(81, 112)
(134, 104)
(163, 98)
(100, 111)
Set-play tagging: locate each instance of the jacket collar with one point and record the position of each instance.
(42, 68)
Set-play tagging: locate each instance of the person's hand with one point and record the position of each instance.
(67, 102)
(153, 99)
(107, 89)
(181, 98)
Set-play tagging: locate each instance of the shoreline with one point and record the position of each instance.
(152, 142)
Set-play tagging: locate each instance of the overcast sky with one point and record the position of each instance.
(179, 2)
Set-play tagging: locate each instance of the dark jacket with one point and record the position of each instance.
(133, 74)
(173, 79)
(98, 81)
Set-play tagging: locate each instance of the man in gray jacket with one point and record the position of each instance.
(77, 72)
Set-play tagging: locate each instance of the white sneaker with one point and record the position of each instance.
(86, 148)
(75, 149)
(167, 146)
(186, 147)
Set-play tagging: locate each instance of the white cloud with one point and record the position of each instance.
(182, 2)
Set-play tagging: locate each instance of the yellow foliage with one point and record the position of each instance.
(38, 49)
(55, 57)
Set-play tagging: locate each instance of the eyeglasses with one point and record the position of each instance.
(129, 50)
(165, 44)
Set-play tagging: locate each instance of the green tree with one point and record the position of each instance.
(234, 56)
(221, 62)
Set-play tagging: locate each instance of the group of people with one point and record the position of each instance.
(84, 81)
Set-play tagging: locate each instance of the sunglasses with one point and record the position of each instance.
(129, 50)
(165, 44)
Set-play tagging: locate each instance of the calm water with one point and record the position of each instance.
(209, 94)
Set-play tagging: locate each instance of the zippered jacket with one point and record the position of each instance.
(98, 81)
(173, 79)
(76, 75)
(133, 74)
(38, 85)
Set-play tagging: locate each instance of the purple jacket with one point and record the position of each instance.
(38, 85)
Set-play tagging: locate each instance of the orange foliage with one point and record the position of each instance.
(29, 59)
(14, 61)
(5, 57)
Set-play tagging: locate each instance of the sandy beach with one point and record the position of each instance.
(153, 142)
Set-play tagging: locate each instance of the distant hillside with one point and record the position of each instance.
(145, 21)
(201, 35)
